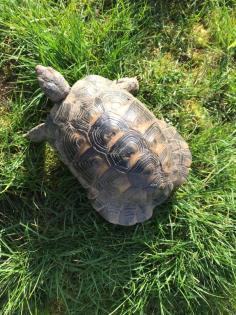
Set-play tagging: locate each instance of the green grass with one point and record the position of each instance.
(57, 255)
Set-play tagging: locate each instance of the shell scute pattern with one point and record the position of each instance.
(113, 181)
(70, 142)
(90, 166)
(129, 160)
(106, 126)
(154, 135)
(81, 122)
(159, 145)
(137, 115)
(99, 104)
(123, 152)
(116, 101)
(63, 113)
(83, 90)
(147, 172)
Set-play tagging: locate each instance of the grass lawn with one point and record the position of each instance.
(57, 255)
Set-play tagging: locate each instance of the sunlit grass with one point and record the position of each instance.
(57, 255)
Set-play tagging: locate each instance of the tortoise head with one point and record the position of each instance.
(52, 83)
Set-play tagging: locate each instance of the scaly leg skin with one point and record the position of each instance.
(129, 84)
(37, 134)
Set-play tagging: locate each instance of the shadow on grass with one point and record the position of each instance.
(73, 253)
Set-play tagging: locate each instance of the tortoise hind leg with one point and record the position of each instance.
(37, 134)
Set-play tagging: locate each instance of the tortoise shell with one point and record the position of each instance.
(128, 160)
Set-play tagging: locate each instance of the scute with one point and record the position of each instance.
(145, 169)
(181, 157)
(121, 153)
(91, 166)
(106, 127)
(116, 101)
(128, 208)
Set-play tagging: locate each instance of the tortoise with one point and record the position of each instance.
(127, 159)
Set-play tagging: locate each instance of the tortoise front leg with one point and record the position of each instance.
(129, 84)
(38, 133)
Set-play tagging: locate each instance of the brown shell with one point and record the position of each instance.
(127, 159)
